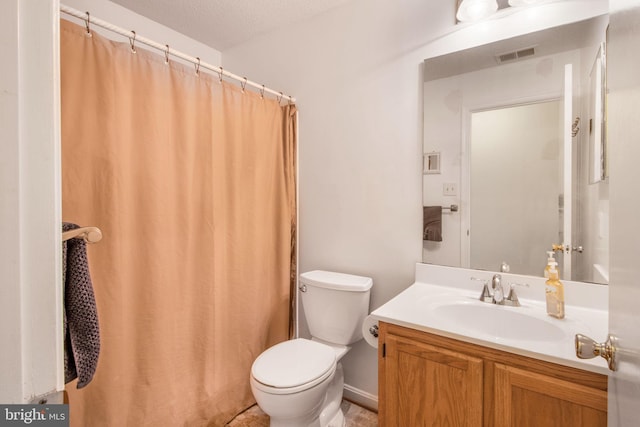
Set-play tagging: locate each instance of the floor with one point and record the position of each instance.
(355, 416)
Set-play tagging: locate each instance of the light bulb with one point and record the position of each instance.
(515, 3)
(475, 10)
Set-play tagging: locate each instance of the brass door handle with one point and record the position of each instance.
(586, 348)
(566, 248)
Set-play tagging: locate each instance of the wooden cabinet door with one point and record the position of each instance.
(423, 385)
(527, 399)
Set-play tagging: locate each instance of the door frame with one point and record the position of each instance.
(31, 319)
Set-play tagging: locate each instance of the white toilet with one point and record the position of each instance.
(299, 382)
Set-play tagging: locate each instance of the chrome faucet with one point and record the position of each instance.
(486, 295)
(498, 291)
(512, 298)
(495, 294)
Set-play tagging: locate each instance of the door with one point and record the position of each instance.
(565, 207)
(514, 184)
(623, 81)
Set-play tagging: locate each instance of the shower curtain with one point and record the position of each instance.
(192, 182)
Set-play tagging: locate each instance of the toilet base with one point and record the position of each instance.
(330, 415)
(338, 420)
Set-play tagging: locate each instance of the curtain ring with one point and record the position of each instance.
(262, 92)
(289, 101)
(280, 97)
(132, 42)
(243, 84)
(87, 24)
(220, 75)
(197, 65)
(166, 55)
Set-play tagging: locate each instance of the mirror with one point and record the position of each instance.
(519, 127)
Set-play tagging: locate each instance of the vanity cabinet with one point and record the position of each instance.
(430, 380)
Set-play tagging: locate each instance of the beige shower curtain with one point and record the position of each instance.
(193, 185)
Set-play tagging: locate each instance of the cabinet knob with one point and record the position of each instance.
(586, 348)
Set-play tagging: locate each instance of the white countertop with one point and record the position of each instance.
(527, 330)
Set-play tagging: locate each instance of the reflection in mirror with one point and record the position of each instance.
(597, 137)
(520, 125)
(515, 179)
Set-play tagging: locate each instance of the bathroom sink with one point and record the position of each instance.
(453, 310)
(499, 322)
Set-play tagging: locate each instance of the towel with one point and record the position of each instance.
(81, 329)
(432, 223)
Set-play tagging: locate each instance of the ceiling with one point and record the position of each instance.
(223, 24)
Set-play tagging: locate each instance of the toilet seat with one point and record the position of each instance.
(293, 366)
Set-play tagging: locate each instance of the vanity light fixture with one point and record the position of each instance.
(515, 3)
(476, 10)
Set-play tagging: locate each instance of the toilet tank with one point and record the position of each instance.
(335, 305)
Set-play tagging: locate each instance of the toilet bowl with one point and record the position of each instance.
(299, 383)
(291, 380)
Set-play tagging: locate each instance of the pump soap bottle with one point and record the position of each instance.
(550, 259)
(554, 291)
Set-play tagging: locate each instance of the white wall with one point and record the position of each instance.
(356, 74)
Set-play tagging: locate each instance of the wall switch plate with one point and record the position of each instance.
(449, 189)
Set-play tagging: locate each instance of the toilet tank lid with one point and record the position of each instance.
(338, 281)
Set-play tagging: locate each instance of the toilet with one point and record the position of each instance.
(300, 382)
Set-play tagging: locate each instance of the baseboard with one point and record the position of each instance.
(361, 397)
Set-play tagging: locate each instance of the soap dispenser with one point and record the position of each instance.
(554, 291)
(550, 259)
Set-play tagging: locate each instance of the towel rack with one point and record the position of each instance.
(89, 234)
(452, 208)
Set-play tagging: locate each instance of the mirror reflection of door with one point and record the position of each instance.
(516, 185)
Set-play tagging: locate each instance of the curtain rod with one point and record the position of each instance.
(134, 38)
